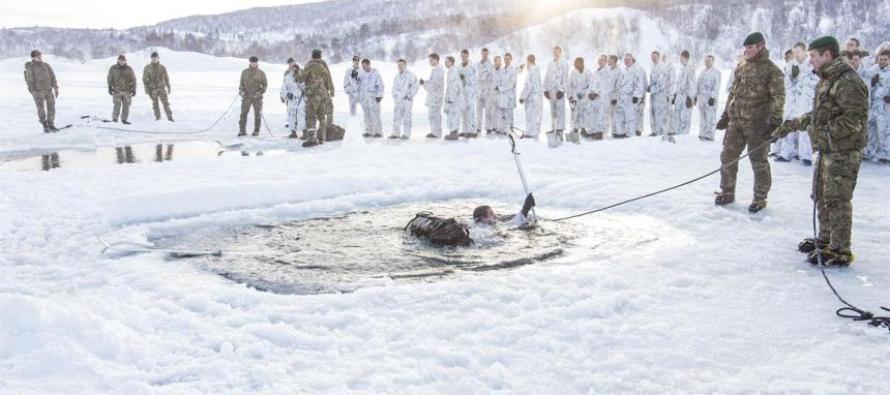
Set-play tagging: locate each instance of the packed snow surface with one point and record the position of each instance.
(680, 297)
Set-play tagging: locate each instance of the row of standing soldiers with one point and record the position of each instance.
(44, 88)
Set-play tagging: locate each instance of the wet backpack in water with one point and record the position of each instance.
(439, 231)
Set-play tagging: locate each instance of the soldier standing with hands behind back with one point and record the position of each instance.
(253, 86)
(44, 89)
(837, 128)
(753, 111)
(157, 86)
(122, 88)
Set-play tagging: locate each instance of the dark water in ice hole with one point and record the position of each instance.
(342, 253)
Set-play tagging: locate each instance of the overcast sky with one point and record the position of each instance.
(116, 13)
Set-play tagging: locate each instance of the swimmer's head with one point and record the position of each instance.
(484, 215)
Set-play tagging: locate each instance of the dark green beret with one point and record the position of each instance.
(823, 42)
(754, 38)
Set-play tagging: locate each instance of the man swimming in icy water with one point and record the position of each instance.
(451, 232)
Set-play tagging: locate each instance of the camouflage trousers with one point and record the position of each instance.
(316, 116)
(122, 101)
(734, 142)
(160, 94)
(248, 101)
(834, 179)
(46, 106)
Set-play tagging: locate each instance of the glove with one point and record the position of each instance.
(547, 95)
(795, 71)
(648, 89)
(673, 100)
(528, 204)
(695, 101)
(614, 102)
(56, 92)
(354, 74)
(887, 99)
(781, 131)
(723, 123)
(421, 81)
(290, 96)
(132, 93)
(560, 95)
(462, 77)
(688, 102)
(580, 96)
(712, 102)
(592, 96)
(451, 101)
(147, 92)
(875, 80)
(521, 101)
(111, 91)
(635, 100)
(378, 99)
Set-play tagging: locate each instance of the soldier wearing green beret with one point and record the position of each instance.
(753, 111)
(837, 129)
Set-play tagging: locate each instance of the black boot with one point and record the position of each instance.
(45, 127)
(809, 245)
(125, 122)
(452, 136)
(293, 135)
(756, 206)
(724, 198)
(255, 133)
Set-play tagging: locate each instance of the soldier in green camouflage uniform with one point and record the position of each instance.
(320, 89)
(44, 89)
(157, 86)
(329, 107)
(753, 111)
(122, 88)
(837, 129)
(253, 86)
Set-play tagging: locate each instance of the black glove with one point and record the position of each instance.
(521, 101)
(111, 91)
(592, 95)
(290, 96)
(635, 100)
(614, 102)
(527, 206)
(378, 99)
(354, 74)
(462, 77)
(723, 123)
(673, 100)
(648, 89)
(875, 80)
(795, 71)
(560, 95)
(887, 99)
(688, 102)
(547, 94)
(711, 102)
(421, 81)
(580, 96)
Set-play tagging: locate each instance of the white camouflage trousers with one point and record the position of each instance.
(401, 119)
(371, 111)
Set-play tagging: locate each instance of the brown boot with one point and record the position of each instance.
(724, 198)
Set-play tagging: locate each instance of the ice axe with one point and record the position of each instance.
(519, 168)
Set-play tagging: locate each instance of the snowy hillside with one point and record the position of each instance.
(670, 295)
(412, 28)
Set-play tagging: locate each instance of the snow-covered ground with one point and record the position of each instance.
(688, 298)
